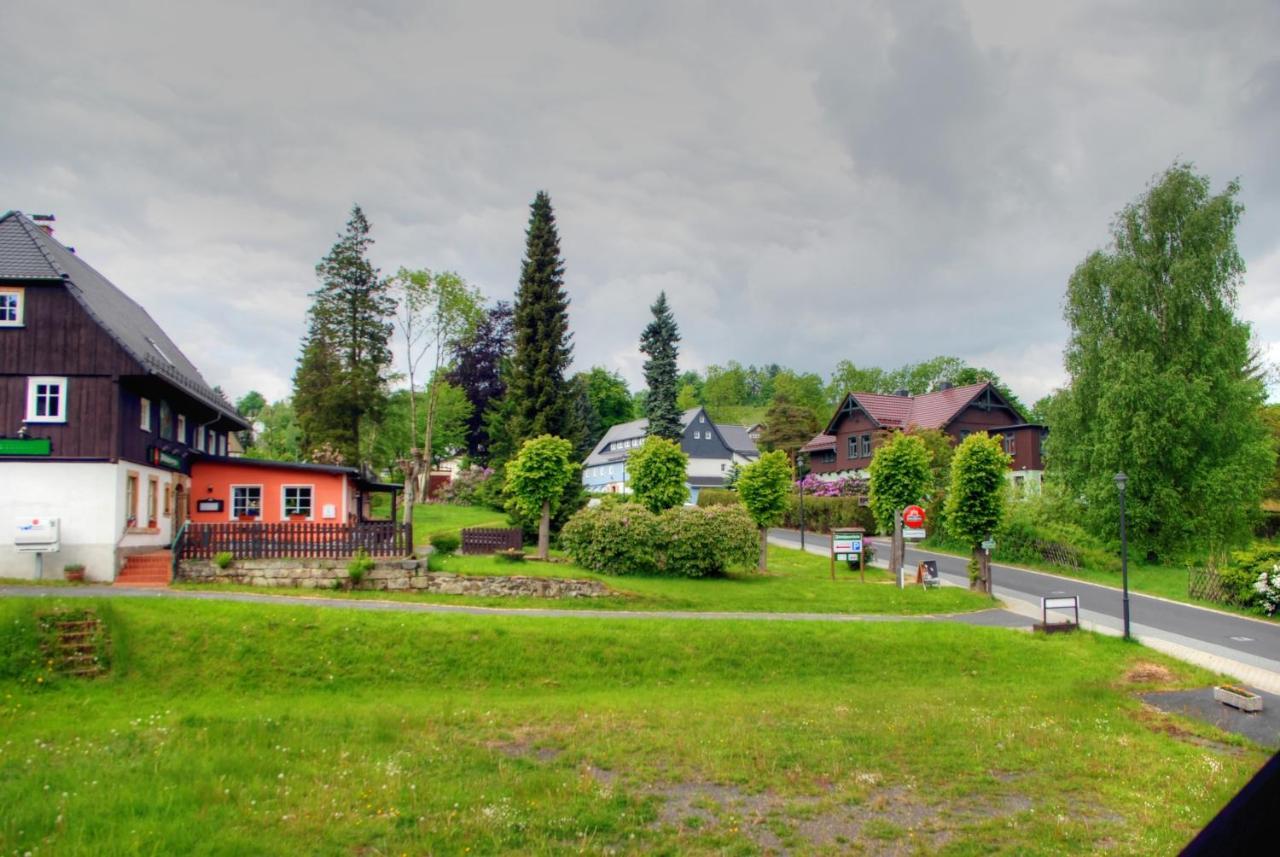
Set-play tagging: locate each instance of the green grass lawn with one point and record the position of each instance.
(235, 728)
(432, 518)
(796, 582)
(1166, 581)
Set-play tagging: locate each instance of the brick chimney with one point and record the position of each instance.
(44, 221)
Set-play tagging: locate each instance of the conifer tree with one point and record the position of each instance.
(342, 372)
(660, 374)
(538, 400)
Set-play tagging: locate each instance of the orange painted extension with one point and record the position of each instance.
(241, 489)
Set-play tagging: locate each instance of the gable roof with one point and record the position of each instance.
(28, 252)
(929, 410)
(734, 437)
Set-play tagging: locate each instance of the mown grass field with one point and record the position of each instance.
(796, 582)
(234, 729)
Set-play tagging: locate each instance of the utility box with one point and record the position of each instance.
(37, 535)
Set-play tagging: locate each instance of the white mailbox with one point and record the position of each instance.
(37, 535)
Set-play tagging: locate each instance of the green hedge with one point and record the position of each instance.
(1244, 579)
(685, 541)
(820, 513)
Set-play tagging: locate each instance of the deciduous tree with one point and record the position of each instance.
(432, 309)
(900, 475)
(1164, 384)
(975, 500)
(536, 481)
(478, 361)
(788, 426)
(765, 489)
(658, 473)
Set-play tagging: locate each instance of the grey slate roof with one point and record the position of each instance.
(737, 439)
(734, 436)
(28, 252)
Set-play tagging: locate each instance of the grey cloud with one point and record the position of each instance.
(809, 183)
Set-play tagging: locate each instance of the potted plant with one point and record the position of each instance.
(73, 572)
(1238, 697)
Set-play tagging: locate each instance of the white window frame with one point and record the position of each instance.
(697, 435)
(284, 503)
(222, 445)
(144, 420)
(33, 385)
(182, 429)
(199, 438)
(20, 306)
(231, 512)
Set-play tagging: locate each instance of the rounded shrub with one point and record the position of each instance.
(446, 543)
(702, 541)
(613, 538)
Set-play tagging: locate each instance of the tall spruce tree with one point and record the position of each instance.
(538, 400)
(342, 372)
(660, 373)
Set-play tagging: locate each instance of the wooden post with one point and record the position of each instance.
(897, 552)
(831, 551)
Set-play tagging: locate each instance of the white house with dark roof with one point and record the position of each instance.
(712, 449)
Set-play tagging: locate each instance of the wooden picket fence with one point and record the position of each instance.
(295, 539)
(482, 540)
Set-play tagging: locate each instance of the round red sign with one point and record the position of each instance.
(913, 516)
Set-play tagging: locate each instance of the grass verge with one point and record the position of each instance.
(796, 583)
(233, 728)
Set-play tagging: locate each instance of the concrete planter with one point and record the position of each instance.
(1238, 697)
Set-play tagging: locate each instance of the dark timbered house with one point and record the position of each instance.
(857, 427)
(100, 412)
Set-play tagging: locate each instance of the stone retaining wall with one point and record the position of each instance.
(408, 575)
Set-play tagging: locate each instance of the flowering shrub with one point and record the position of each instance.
(461, 490)
(1268, 588)
(1252, 579)
(845, 486)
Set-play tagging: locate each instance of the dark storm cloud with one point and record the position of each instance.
(809, 183)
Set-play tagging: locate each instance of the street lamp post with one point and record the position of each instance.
(1121, 479)
(800, 484)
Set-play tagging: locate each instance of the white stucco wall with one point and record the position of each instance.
(82, 496)
(88, 500)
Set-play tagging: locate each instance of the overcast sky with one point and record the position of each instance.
(809, 182)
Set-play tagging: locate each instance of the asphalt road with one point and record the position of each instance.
(1251, 641)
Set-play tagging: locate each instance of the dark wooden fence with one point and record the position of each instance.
(302, 539)
(1206, 583)
(480, 540)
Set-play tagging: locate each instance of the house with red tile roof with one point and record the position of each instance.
(861, 421)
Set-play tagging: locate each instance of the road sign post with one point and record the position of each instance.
(846, 546)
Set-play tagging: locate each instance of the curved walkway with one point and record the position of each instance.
(993, 617)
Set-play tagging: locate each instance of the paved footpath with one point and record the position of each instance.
(993, 617)
(1243, 648)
